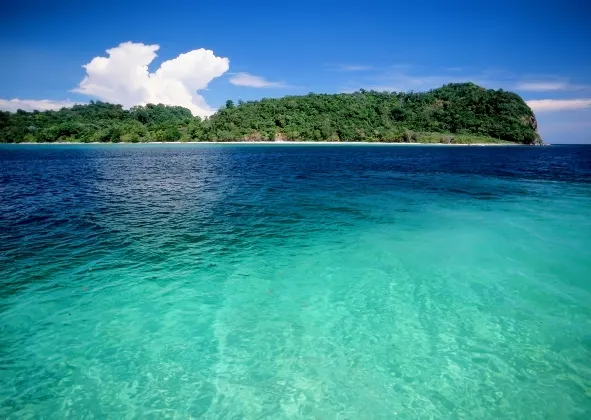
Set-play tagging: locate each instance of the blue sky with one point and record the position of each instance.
(260, 49)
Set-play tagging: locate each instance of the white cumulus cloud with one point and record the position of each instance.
(31, 104)
(123, 77)
(548, 105)
(249, 80)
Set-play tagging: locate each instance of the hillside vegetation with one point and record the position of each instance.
(454, 113)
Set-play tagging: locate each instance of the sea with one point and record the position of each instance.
(240, 281)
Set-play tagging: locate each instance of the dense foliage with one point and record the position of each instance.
(453, 113)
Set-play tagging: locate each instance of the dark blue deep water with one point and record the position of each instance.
(295, 281)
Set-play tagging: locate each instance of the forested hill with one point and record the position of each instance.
(454, 113)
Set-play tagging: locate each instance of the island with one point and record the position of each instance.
(456, 113)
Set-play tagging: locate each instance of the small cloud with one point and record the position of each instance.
(351, 67)
(547, 85)
(384, 88)
(549, 105)
(123, 77)
(250, 80)
(13, 105)
(405, 77)
(542, 86)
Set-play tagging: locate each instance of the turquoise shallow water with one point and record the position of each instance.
(280, 282)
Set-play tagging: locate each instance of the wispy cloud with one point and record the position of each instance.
(404, 79)
(353, 67)
(415, 79)
(13, 105)
(541, 86)
(550, 105)
(350, 68)
(548, 85)
(250, 80)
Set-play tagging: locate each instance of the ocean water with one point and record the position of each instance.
(295, 282)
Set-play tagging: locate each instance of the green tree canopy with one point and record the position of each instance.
(451, 113)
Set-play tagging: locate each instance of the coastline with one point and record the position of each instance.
(316, 143)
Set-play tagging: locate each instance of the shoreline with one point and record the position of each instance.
(317, 143)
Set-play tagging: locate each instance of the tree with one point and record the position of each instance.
(459, 109)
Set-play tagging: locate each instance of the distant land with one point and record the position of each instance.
(457, 113)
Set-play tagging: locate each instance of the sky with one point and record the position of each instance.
(199, 54)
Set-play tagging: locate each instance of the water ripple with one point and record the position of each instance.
(267, 282)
